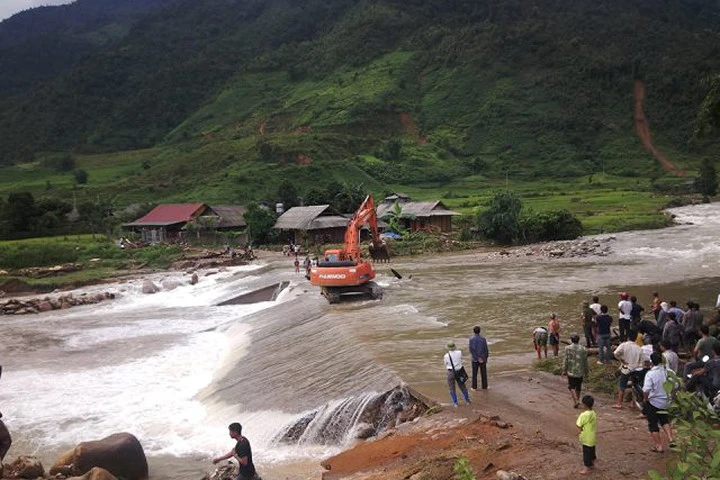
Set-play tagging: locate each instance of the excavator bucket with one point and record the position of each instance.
(380, 253)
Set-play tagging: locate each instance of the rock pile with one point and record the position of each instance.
(42, 272)
(566, 249)
(16, 306)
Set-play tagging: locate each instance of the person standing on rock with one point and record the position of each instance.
(554, 333)
(453, 365)
(479, 354)
(575, 366)
(242, 453)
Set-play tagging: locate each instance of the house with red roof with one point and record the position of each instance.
(171, 222)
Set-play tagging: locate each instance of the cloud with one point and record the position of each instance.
(9, 8)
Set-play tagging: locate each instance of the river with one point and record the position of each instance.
(175, 369)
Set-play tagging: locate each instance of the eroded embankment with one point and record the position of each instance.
(642, 127)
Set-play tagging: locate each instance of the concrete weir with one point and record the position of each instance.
(264, 294)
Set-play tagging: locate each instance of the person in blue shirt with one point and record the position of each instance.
(479, 353)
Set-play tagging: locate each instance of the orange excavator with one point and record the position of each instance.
(342, 271)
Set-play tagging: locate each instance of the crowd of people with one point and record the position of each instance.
(647, 347)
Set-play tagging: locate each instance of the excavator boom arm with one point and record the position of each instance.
(364, 214)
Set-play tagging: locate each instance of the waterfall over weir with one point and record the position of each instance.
(363, 416)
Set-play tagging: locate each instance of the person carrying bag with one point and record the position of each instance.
(455, 373)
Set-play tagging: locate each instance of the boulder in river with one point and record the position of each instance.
(25, 467)
(96, 473)
(120, 454)
(227, 471)
(170, 284)
(369, 416)
(150, 287)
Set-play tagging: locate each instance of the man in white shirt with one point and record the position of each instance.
(453, 363)
(630, 355)
(672, 361)
(656, 403)
(624, 310)
(596, 305)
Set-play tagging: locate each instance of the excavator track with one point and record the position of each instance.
(368, 290)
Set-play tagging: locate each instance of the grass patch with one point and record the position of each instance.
(99, 256)
(601, 378)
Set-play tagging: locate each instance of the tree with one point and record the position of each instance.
(97, 216)
(706, 182)
(287, 194)
(500, 222)
(19, 212)
(709, 114)
(346, 198)
(260, 222)
(395, 217)
(316, 196)
(548, 226)
(81, 176)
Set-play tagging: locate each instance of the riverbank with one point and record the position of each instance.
(524, 423)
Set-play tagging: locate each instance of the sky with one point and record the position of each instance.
(9, 8)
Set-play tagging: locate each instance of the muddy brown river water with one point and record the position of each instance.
(174, 368)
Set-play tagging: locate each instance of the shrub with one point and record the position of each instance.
(500, 222)
(548, 226)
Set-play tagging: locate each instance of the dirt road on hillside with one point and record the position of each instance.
(539, 440)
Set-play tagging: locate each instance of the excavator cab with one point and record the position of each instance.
(333, 255)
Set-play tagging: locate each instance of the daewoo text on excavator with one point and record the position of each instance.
(343, 271)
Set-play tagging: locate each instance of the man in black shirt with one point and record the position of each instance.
(604, 321)
(242, 453)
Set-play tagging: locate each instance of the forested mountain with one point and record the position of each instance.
(405, 91)
(37, 44)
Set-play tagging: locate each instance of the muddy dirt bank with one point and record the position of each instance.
(524, 423)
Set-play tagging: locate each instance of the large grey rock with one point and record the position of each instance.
(170, 284)
(150, 287)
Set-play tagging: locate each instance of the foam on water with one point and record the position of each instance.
(152, 397)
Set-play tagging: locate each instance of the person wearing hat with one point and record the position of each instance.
(575, 366)
(453, 365)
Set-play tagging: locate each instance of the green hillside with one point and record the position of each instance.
(222, 100)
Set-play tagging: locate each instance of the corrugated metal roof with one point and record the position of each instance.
(169, 214)
(299, 218)
(417, 209)
(230, 215)
(329, 221)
